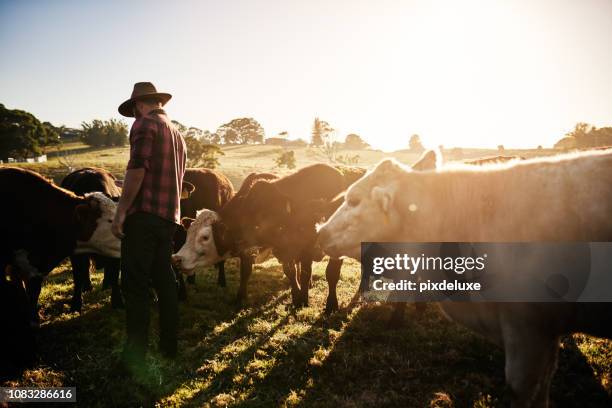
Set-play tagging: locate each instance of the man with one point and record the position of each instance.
(147, 215)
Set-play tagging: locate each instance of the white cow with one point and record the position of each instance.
(565, 198)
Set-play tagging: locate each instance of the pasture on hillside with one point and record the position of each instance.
(269, 354)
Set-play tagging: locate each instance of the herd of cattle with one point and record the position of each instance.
(318, 210)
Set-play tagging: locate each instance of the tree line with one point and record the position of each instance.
(22, 135)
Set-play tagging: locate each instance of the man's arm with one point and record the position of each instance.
(131, 187)
(140, 154)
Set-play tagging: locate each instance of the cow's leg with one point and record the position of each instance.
(80, 269)
(112, 267)
(91, 267)
(531, 360)
(221, 273)
(33, 288)
(191, 279)
(397, 315)
(332, 274)
(180, 285)
(305, 278)
(246, 268)
(289, 268)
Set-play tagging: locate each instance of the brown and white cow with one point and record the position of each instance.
(42, 224)
(210, 190)
(81, 182)
(566, 198)
(215, 236)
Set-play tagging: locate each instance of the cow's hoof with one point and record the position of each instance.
(117, 303)
(331, 306)
(76, 305)
(75, 308)
(191, 279)
(182, 294)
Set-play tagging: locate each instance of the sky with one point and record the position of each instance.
(458, 73)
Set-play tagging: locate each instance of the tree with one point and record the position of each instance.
(415, 144)
(99, 133)
(242, 130)
(320, 132)
(286, 158)
(355, 142)
(585, 136)
(180, 127)
(22, 134)
(501, 149)
(200, 154)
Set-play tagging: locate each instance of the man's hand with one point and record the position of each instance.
(117, 227)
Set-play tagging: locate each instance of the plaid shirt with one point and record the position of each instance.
(158, 147)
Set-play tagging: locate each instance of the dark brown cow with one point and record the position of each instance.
(42, 224)
(81, 182)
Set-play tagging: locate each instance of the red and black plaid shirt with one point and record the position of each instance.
(158, 147)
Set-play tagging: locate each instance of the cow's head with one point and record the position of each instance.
(186, 190)
(94, 218)
(199, 248)
(369, 213)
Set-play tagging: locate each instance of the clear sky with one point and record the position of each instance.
(458, 73)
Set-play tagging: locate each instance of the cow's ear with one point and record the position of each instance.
(186, 222)
(427, 161)
(119, 183)
(81, 212)
(186, 190)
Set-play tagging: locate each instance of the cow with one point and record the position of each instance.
(212, 191)
(280, 214)
(566, 198)
(213, 233)
(42, 224)
(81, 182)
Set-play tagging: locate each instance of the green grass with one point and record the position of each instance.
(268, 354)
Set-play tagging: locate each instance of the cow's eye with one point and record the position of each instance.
(110, 221)
(205, 237)
(353, 201)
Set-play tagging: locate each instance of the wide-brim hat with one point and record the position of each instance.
(141, 91)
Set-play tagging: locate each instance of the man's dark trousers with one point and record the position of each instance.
(146, 249)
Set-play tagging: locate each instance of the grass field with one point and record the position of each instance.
(269, 354)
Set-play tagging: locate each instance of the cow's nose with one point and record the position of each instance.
(176, 260)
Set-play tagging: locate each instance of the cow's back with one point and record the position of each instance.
(91, 179)
(212, 191)
(318, 181)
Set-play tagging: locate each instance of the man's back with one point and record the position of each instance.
(157, 146)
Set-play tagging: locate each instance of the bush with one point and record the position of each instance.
(286, 158)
